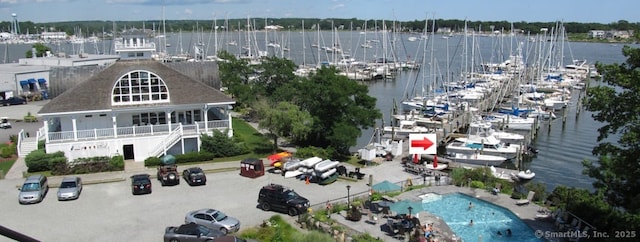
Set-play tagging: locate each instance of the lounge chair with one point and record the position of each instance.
(526, 201)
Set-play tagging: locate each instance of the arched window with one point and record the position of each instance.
(139, 87)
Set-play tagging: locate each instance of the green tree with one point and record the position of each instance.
(41, 50)
(220, 145)
(274, 73)
(617, 105)
(235, 75)
(340, 108)
(284, 120)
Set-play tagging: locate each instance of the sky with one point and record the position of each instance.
(598, 11)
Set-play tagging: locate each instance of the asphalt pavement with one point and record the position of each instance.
(107, 211)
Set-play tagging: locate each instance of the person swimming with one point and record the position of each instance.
(471, 223)
(508, 232)
(470, 205)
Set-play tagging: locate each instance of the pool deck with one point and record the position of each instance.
(527, 213)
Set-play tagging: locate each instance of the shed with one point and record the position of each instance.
(251, 167)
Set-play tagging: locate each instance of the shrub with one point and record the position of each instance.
(8, 151)
(313, 236)
(152, 161)
(59, 166)
(353, 214)
(13, 138)
(365, 237)
(117, 163)
(312, 151)
(477, 184)
(36, 161)
(194, 157)
(220, 145)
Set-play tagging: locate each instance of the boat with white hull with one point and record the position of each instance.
(477, 159)
(523, 175)
(487, 145)
(482, 127)
(406, 127)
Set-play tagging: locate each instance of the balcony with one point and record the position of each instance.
(135, 131)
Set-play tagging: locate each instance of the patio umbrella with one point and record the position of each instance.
(402, 207)
(386, 186)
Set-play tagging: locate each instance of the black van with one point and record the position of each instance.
(279, 198)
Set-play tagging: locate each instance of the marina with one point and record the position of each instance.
(552, 163)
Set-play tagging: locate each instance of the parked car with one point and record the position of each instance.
(5, 123)
(190, 232)
(140, 184)
(168, 171)
(70, 188)
(213, 219)
(13, 101)
(194, 176)
(34, 189)
(280, 198)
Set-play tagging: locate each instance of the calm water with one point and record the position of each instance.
(487, 218)
(562, 146)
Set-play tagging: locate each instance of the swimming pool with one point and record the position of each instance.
(487, 218)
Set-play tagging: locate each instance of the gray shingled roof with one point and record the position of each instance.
(95, 93)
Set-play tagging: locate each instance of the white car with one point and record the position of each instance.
(4, 123)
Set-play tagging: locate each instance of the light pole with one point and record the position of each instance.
(348, 201)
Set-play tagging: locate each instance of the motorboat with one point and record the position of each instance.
(483, 144)
(406, 127)
(509, 121)
(486, 128)
(478, 159)
(524, 175)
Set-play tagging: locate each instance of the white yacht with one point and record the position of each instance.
(406, 127)
(477, 159)
(483, 144)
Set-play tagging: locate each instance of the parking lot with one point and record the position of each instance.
(16, 113)
(109, 212)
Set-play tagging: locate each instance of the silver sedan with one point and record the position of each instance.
(70, 188)
(213, 219)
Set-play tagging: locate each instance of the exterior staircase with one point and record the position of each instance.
(173, 138)
(27, 145)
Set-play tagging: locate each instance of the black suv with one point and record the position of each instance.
(280, 198)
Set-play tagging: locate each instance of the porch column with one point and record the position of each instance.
(115, 125)
(228, 113)
(75, 128)
(46, 130)
(168, 114)
(205, 110)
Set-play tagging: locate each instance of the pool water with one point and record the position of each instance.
(487, 218)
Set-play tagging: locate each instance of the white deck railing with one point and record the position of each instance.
(134, 131)
(173, 138)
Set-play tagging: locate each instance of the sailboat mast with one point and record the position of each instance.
(304, 47)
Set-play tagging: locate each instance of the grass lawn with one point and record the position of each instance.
(258, 144)
(6, 165)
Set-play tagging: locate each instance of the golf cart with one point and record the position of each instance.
(4, 123)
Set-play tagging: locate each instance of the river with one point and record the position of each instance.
(562, 147)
